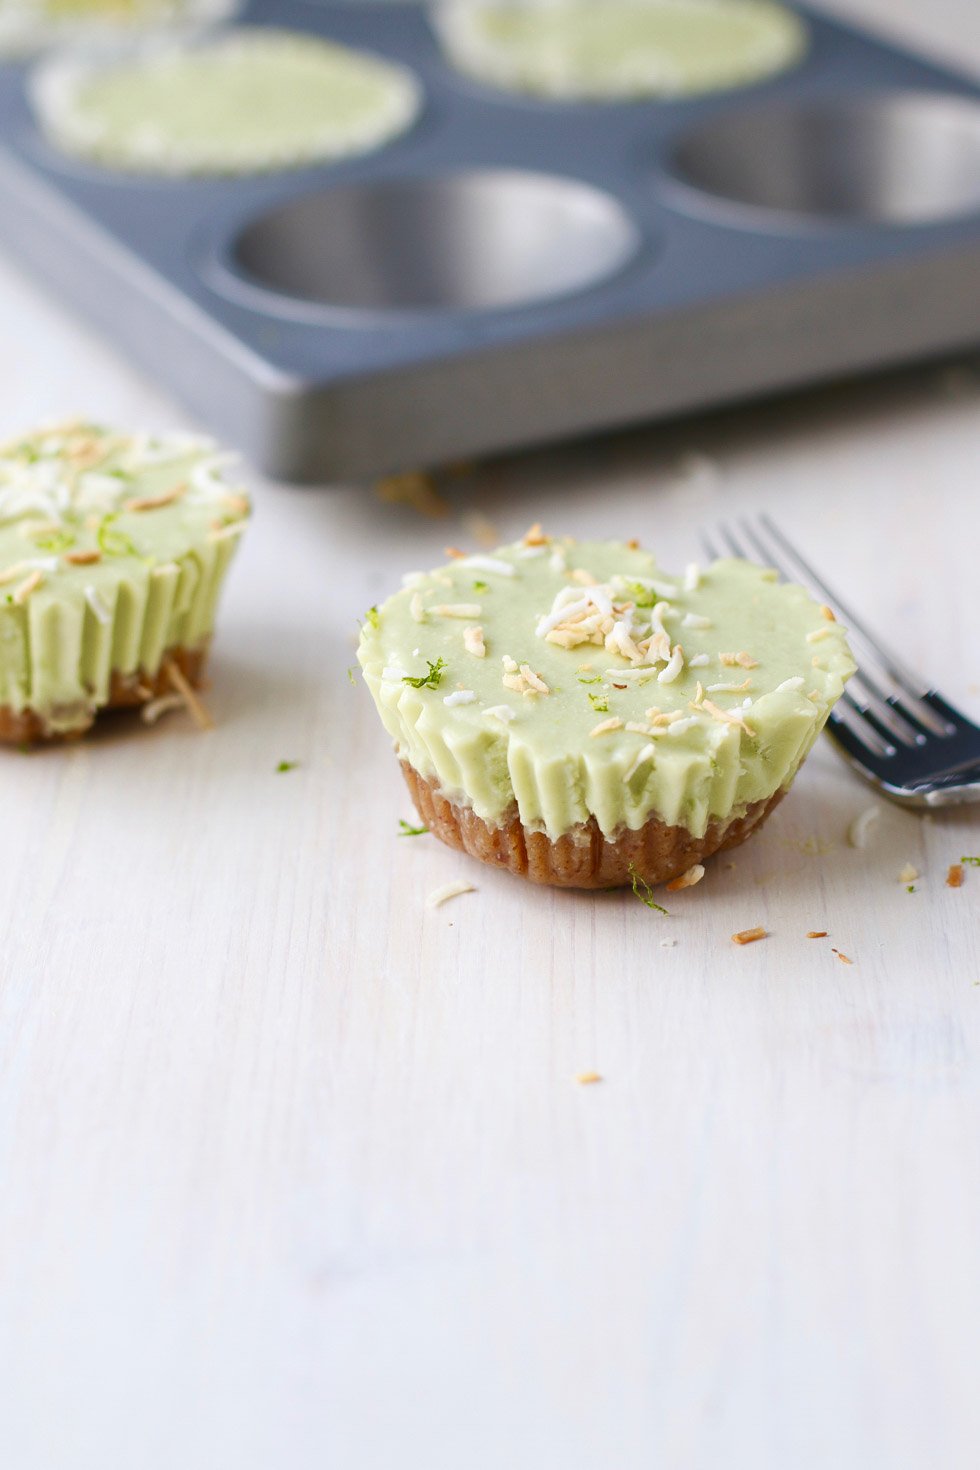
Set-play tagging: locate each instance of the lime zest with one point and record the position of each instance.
(431, 680)
(643, 891)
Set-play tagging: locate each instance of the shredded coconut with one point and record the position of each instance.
(613, 723)
(490, 564)
(473, 642)
(645, 753)
(99, 609)
(674, 667)
(860, 831)
(442, 895)
(456, 609)
(687, 880)
(460, 696)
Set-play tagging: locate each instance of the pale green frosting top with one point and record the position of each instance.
(113, 548)
(243, 100)
(620, 48)
(636, 647)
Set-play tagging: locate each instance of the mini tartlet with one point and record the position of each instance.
(569, 712)
(243, 100)
(581, 50)
(113, 549)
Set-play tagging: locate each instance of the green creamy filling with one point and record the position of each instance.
(667, 47)
(112, 551)
(480, 728)
(248, 99)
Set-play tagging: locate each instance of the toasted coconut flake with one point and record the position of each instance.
(860, 830)
(567, 637)
(483, 530)
(473, 641)
(741, 659)
(908, 874)
(195, 705)
(817, 635)
(826, 612)
(97, 604)
(29, 585)
(583, 578)
(534, 536)
(225, 533)
(83, 558)
(644, 754)
(730, 688)
(606, 726)
(442, 895)
(534, 680)
(516, 682)
(454, 552)
(586, 1079)
(816, 934)
(687, 880)
(749, 936)
(13, 573)
(727, 716)
(415, 490)
(674, 667)
(954, 875)
(456, 609)
(480, 563)
(156, 502)
(237, 504)
(155, 709)
(510, 666)
(844, 959)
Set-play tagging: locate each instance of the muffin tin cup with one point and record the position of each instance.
(505, 273)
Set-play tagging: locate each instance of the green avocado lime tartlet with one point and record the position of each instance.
(610, 50)
(237, 101)
(113, 550)
(570, 712)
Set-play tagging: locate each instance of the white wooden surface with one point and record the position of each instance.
(295, 1173)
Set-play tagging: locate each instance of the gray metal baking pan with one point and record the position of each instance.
(513, 271)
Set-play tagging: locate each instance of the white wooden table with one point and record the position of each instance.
(295, 1173)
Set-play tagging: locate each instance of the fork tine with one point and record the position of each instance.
(850, 727)
(730, 540)
(908, 695)
(892, 665)
(710, 546)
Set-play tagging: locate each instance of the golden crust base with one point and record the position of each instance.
(126, 691)
(585, 858)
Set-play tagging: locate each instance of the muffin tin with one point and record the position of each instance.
(514, 270)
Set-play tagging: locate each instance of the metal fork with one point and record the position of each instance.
(898, 732)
